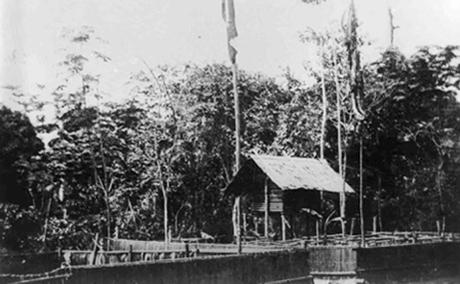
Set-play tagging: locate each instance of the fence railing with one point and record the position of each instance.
(382, 239)
(127, 252)
(200, 248)
(79, 257)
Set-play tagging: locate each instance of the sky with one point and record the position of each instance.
(183, 31)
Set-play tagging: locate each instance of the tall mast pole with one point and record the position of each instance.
(228, 13)
(361, 201)
(237, 150)
(356, 86)
(339, 141)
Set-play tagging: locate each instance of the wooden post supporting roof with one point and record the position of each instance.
(317, 229)
(244, 224)
(283, 226)
(267, 207)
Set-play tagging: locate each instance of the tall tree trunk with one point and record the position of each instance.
(107, 202)
(164, 190)
(106, 189)
(102, 183)
(165, 218)
(361, 201)
(45, 227)
(344, 178)
(439, 188)
(379, 201)
(324, 111)
(323, 123)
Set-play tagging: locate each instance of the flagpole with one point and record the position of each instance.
(237, 151)
(228, 13)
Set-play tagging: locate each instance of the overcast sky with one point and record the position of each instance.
(179, 31)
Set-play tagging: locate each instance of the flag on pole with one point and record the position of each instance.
(228, 13)
(356, 77)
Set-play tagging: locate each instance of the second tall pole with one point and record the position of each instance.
(237, 151)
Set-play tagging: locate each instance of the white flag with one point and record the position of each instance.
(228, 13)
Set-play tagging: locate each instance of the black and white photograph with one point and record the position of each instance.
(230, 141)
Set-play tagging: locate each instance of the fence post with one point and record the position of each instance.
(95, 249)
(130, 253)
(187, 250)
(317, 230)
(352, 227)
(374, 224)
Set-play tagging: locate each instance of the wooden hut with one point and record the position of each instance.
(276, 187)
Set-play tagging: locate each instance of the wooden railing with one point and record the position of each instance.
(201, 248)
(133, 250)
(157, 251)
(382, 239)
(87, 257)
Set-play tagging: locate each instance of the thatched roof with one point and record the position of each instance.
(290, 173)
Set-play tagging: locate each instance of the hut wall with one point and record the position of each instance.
(275, 199)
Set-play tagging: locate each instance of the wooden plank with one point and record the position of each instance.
(273, 207)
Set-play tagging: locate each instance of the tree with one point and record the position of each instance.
(200, 99)
(338, 104)
(411, 124)
(75, 121)
(86, 170)
(18, 144)
(19, 147)
(79, 82)
(299, 120)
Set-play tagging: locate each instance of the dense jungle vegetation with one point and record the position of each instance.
(107, 167)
